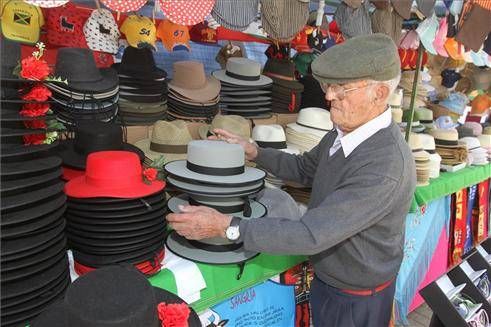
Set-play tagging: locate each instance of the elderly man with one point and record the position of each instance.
(362, 176)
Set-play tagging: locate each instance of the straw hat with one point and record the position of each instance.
(232, 123)
(169, 139)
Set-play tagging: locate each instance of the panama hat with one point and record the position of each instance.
(314, 121)
(169, 139)
(271, 136)
(218, 190)
(232, 123)
(445, 137)
(214, 162)
(112, 174)
(92, 299)
(243, 72)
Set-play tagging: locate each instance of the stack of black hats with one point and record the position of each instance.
(142, 88)
(287, 91)
(245, 91)
(114, 215)
(193, 95)
(35, 270)
(91, 93)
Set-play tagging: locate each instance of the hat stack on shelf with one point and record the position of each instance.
(422, 159)
(428, 143)
(192, 94)
(406, 83)
(272, 136)
(234, 124)
(142, 88)
(214, 175)
(425, 117)
(476, 155)
(448, 147)
(311, 126)
(485, 141)
(416, 126)
(245, 91)
(91, 137)
(395, 103)
(91, 93)
(33, 245)
(116, 214)
(287, 91)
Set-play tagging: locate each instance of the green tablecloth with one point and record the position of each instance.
(221, 280)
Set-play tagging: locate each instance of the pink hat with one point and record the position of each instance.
(476, 127)
(189, 12)
(441, 37)
(124, 5)
(409, 40)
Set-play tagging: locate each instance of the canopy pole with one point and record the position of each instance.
(414, 92)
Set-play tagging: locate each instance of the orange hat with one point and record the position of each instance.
(480, 104)
(173, 36)
(454, 49)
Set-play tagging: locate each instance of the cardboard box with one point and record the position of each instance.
(137, 133)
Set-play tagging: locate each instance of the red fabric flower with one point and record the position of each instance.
(35, 124)
(173, 314)
(37, 93)
(34, 109)
(34, 139)
(34, 69)
(150, 174)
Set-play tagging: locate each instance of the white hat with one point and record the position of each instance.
(101, 31)
(242, 71)
(313, 121)
(395, 99)
(47, 3)
(271, 136)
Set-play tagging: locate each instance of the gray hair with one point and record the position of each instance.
(391, 84)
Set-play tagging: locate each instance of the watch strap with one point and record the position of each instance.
(235, 221)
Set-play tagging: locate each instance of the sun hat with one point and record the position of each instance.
(455, 102)
(454, 49)
(269, 136)
(395, 98)
(169, 139)
(139, 30)
(445, 137)
(396, 115)
(101, 31)
(47, 3)
(225, 13)
(116, 174)
(428, 143)
(189, 12)
(425, 117)
(21, 21)
(465, 131)
(232, 123)
(485, 140)
(123, 5)
(314, 121)
(92, 137)
(214, 162)
(173, 36)
(242, 71)
(65, 25)
(477, 154)
(189, 80)
(88, 299)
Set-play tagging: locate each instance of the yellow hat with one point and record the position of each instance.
(139, 31)
(21, 21)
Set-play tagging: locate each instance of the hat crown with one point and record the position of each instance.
(445, 134)
(113, 168)
(77, 65)
(171, 133)
(279, 67)
(415, 142)
(97, 136)
(215, 154)
(111, 296)
(471, 142)
(243, 67)
(424, 114)
(232, 123)
(268, 133)
(315, 117)
(427, 141)
(189, 74)
(476, 127)
(485, 140)
(138, 61)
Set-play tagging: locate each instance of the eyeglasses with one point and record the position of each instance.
(464, 305)
(339, 91)
(484, 285)
(480, 319)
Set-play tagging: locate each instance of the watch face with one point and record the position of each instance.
(232, 233)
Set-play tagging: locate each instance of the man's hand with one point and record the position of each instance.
(199, 222)
(250, 149)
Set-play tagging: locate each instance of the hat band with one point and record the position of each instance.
(431, 151)
(244, 207)
(274, 145)
(429, 121)
(215, 171)
(418, 150)
(168, 148)
(216, 248)
(242, 77)
(446, 142)
(317, 128)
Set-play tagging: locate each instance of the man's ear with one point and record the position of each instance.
(382, 93)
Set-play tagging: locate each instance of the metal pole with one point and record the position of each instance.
(414, 91)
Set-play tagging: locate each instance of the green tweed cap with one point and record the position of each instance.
(364, 57)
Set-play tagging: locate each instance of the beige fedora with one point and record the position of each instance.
(169, 139)
(190, 81)
(232, 123)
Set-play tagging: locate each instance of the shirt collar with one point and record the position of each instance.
(351, 141)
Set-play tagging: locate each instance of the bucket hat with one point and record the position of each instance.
(169, 139)
(427, 31)
(112, 174)
(189, 12)
(92, 137)
(225, 13)
(79, 68)
(455, 102)
(190, 81)
(243, 72)
(232, 123)
(101, 31)
(89, 298)
(139, 64)
(214, 162)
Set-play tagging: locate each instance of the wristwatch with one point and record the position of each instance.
(232, 232)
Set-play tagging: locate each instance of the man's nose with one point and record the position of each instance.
(330, 95)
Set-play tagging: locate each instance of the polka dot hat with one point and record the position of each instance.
(188, 12)
(124, 5)
(101, 31)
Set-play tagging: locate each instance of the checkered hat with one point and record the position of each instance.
(101, 31)
(190, 12)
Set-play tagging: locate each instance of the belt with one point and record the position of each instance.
(369, 292)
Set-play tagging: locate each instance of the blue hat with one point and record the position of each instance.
(445, 122)
(455, 102)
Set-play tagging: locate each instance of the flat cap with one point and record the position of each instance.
(364, 57)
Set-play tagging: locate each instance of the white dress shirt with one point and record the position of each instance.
(350, 141)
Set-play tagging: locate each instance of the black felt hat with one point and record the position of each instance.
(14, 186)
(24, 199)
(37, 166)
(111, 296)
(139, 64)
(19, 152)
(116, 224)
(147, 202)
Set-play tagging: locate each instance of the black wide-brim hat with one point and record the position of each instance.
(60, 91)
(116, 224)
(251, 115)
(108, 82)
(13, 186)
(22, 168)
(118, 214)
(143, 98)
(20, 201)
(92, 226)
(105, 232)
(146, 202)
(18, 152)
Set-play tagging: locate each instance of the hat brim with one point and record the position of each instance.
(63, 90)
(144, 145)
(29, 166)
(18, 150)
(246, 93)
(247, 109)
(109, 80)
(222, 76)
(146, 202)
(116, 223)
(179, 169)
(29, 198)
(305, 130)
(117, 214)
(182, 248)
(252, 115)
(244, 99)
(25, 183)
(216, 191)
(110, 235)
(210, 91)
(33, 211)
(134, 74)
(178, 99)
(92, 226)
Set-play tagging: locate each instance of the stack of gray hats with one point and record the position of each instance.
(214, 175)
